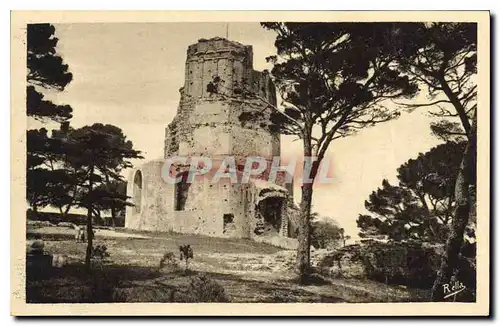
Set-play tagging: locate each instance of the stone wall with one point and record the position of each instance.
(208, 123)
(226, 123)
(215, 209)
(204, 208)
(154, 199)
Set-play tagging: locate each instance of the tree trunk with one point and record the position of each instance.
(113, 217)
(457, 105)
(90, 235)
(66, 211)
(304, 227)
(465, 179)
(113, 209)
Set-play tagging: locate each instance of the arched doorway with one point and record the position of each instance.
(137, 192)
(269, 216)
(270, 210)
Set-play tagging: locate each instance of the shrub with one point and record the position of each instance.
(100, 255)
(168, 262)
(203, 289)
(100, 252)
(404, 263)
(179, 289)
(103, 287)
(325, 234)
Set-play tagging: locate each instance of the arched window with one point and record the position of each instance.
(137, 192)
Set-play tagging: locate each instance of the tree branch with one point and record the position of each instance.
(419, 105)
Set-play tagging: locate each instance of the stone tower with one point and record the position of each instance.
(210, 123)
(221, 90)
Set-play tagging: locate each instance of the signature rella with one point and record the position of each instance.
(242, 171)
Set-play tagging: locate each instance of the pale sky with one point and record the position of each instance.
(129, 75)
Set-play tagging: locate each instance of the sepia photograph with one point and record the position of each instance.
(340, 159)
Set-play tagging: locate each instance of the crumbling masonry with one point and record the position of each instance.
(211, 122)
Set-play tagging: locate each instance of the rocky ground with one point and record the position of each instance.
(248, 271)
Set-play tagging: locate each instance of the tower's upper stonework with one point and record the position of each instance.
(214, 122)
(223, 111)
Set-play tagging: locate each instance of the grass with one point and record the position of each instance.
(207, 244)
(133, 275)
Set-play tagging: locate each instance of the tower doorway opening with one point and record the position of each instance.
(137, 191)
(228, 220)
(181, 192)
(269, 211)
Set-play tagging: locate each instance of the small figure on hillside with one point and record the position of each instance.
(82, 235)
(186, 254)
(78, 233)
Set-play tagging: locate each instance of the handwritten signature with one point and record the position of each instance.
(453, 289)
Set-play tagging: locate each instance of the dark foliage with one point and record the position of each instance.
(39, 108)
(169, 261)
(203, 289)
(420, 207)
(333, 79)
(47, 70)
(410, 263)
(325, 235)
(45, 67)
(48, 183)
(443, 59)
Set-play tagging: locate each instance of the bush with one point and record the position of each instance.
(203, 289)
(325, 235)
(409, 264)
(169, 263)
(179, 289)
(100, 255)
(103, 287)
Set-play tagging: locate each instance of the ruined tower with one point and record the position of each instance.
(210, 123)
(221, 92)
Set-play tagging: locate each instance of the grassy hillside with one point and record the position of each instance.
(248, 271)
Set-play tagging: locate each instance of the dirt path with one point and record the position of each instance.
(108, 233)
